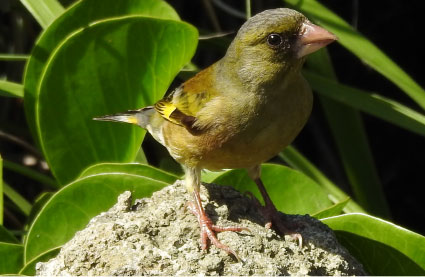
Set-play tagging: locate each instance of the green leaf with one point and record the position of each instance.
(131, 168)
(296, 160)
(335, 209)
(29, 268)
(6, 236)
(369, 102)
(209, 176)
(347, 128)
(141, 157)
(106, 68)
(39, 202)
(11, 89)
(360, 46)
(44, 11)
(291, 191)
(23, 205)
(71, 208)
(13, 57)
(86, 12)
(11, 258)
(382, 247)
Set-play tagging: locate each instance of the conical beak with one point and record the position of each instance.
(312, 38)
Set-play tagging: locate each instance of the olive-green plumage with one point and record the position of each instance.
(243, 109)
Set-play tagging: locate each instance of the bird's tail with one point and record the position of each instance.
(139, 117)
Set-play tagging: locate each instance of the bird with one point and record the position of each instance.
(240, 111)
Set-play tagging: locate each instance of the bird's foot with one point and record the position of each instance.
(274, 220)
(208, 230)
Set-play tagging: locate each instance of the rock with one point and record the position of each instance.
(159, 236)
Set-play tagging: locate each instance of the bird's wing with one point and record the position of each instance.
(182, 105)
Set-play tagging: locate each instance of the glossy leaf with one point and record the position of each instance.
(71, 208)
(29, 268)
(103, 69)
(296, 160)
(360, 46)
(11, 89)
(335, 209)
(39, 202)
(44, 11)
(382, 247)
(131, 168)
(11, 258)
(369, 102)
(86, 12)
(291, 191)
(209, 176)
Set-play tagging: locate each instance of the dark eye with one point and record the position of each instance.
(274, 40)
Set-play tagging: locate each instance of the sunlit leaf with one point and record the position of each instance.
(291, 191)
(103, 69)
(131, 168)
(78, 16)
(71, 208)
(335, 209)
(296, 160)
(44, 11)
(382, 247)
(11, 89)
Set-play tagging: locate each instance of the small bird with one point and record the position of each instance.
(240, 111)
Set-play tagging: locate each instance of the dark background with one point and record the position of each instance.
(394, 26)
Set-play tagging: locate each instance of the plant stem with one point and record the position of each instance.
(17, 199)
(248, 9)
(30, 173)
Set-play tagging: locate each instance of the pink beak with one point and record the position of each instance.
(312, 38)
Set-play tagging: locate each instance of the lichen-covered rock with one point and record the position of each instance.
(159, 236)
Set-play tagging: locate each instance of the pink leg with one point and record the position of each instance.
(269, 211)
(208, 229)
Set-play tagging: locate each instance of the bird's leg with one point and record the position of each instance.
(208, 229)
(269, 211)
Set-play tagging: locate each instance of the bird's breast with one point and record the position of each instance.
(267, 129)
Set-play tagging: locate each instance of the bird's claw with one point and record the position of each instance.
(208, 231)
(274, 219)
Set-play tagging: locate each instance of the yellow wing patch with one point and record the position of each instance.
(166, 109)
(183, 104)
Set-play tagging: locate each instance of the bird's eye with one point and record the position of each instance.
(274, 40)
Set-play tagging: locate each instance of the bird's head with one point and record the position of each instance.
(273, 43)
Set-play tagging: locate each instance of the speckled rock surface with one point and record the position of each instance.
(159, 236)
